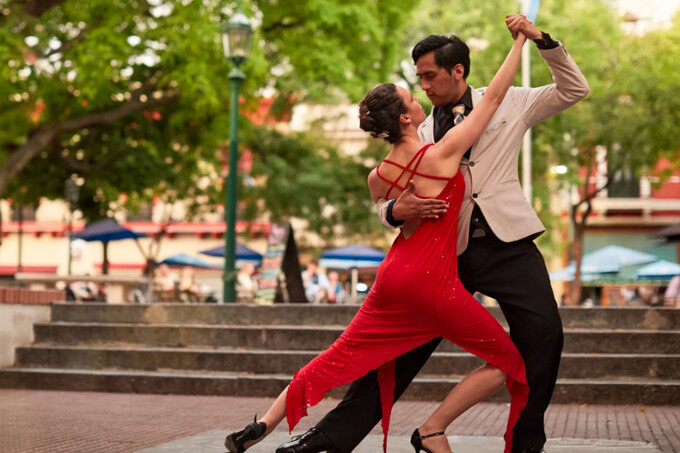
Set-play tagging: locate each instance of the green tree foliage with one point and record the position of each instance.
(324, 47)
(631, 111)
(123, 94)
(329, 190)
(482, 26)
(131, 96)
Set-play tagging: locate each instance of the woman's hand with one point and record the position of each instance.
(520, 38)
(519, 24)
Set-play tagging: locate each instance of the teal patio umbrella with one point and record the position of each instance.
(658, 270)
(607, 262)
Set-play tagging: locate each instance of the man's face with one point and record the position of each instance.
(439, 84)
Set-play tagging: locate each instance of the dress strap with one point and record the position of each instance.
(425, 175)
(403, 170)
(417, 158)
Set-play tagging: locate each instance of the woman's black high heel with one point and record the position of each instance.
(253, 431)
(417, 440)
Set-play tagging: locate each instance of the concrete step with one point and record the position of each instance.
(580, 391)
(606, 341)
(305, 314)
(611, 355)
(573, 366)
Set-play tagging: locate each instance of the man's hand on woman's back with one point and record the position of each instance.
(411, 207)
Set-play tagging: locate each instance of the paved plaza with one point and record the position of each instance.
(211, 441)
(34, 421)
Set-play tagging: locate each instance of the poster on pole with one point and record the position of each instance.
(280, 278)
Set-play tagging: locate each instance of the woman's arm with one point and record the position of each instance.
(374, 185)
(458, 139)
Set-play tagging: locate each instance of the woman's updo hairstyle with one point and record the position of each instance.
(379, 112)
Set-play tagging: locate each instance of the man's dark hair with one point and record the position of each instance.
(448, 52)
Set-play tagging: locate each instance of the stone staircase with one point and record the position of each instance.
(611, 355)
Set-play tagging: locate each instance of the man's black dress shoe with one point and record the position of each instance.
(533, 450)
(313, 441)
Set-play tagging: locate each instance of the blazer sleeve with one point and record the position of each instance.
(570, 86)
(381, 207)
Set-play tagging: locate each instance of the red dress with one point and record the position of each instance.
(417, 296)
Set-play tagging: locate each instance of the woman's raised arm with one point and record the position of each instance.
(458, 139)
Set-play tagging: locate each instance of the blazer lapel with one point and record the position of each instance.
(476, 96)
(426, 129)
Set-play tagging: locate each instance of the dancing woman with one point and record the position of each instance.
(417, 295)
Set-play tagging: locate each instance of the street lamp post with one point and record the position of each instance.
(72, 193)
(236, 36)
(20, 218)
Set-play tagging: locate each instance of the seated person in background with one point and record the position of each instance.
(84, 291)
(337, 294)
(188, 288)
(322, 297)
(246, 284)
(649, 295)
(165, 282)
(314, 280)
(671, 294)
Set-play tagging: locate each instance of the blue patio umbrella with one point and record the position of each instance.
(243, 253)
(182, 259)
(105, 231)
(661, 270)
(352, 257)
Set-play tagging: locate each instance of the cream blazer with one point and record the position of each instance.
(491, 174)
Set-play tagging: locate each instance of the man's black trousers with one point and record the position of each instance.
(515, 275)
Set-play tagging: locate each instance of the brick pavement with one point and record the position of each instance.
(213, 442)
(33, 421)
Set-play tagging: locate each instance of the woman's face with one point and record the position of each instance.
(413, 108)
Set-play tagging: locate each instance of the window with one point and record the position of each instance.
(624, 184)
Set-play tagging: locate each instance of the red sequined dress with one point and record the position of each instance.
(417, 296)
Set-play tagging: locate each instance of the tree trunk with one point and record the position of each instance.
(105, 259)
